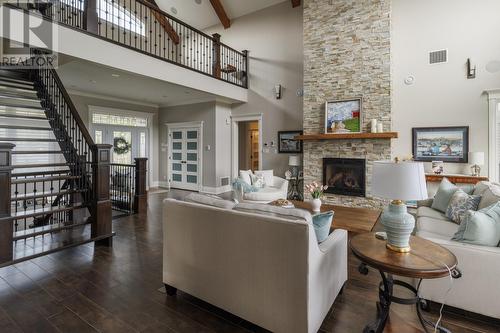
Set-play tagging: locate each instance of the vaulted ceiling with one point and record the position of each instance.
(201, 14)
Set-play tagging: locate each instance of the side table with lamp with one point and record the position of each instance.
(396, 252)
(295, 191)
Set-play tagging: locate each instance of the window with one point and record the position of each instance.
(115, 13)
(108, 119)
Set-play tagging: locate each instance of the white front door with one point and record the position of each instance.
(135, 138)
(184, 158)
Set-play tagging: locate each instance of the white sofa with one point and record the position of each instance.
(277, 190)
(478, 290)
(265, 269)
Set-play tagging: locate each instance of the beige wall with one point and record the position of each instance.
(441, 94)
(82, 104)
(274, 38)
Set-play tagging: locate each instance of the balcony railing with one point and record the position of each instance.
(142, 26)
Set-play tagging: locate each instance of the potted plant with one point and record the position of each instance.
(316, 192)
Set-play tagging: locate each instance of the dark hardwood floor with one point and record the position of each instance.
(87, 289)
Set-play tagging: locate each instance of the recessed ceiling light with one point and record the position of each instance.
(93, 81)
(198, 2)
(164, 96)
(115, 75)
(187, 92)
(173, 10)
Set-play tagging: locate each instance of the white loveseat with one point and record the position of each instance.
(478, 290)
(277, 190)
(265, 269)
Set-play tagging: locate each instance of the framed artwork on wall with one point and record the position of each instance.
(447, 144)
(343, 116)
(287, 144)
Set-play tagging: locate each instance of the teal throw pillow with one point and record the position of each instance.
(322, 223)
(443, 195)
(460, 203)
(481, 227)
(239, 183)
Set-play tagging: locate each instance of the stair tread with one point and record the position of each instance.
(10, 89)
(44, 211)
(17, 106)
(14, 80)
(47, 194)
(40, 179)
(34, 128)
(40, 165)
(36, 152)
(21, 97)
(29, 139)
(20, 116)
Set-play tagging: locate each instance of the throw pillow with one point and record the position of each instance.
(258, 181)
(490, 196)
(209, 200)
(443, 195)
(246, 175)
(268, 176)
(322, 223)
(460, 203)
(481, 227)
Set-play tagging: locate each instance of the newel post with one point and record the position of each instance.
(6, 230)
(90, 18)
(141, 195)
(216, 66)
(247, 64)
(101, 204)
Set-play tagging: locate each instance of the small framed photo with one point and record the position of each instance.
(446, 144)
(343, 116)
(287, 143)
(437, 167)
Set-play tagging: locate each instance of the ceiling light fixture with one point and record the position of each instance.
(198, 2)
(93, 81)
(115, 75)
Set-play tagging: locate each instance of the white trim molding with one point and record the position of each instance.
(493, 108)
(235, 119)
(112, 99)
(216, 190)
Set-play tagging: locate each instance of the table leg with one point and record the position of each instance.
(383, 305)
(424, 322)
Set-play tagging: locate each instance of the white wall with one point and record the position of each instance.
(274, 38)
(441, 94)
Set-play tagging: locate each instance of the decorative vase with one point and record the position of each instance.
(316, 205)
(398, 225)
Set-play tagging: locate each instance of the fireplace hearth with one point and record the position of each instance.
(345, 176)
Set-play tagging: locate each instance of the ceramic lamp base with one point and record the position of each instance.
(398, 225)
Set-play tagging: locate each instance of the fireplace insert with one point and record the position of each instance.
(345, 176)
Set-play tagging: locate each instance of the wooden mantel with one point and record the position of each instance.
(456, 179)
(339, 136)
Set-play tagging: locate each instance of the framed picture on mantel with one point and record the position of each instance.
(447, 144)
(343, 116)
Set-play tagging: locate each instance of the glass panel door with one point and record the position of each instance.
(184, 158)
(122, 147)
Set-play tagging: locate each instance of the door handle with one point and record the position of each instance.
(183, 162)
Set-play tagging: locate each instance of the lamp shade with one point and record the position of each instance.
(401, 181)
(476, 158)
(294, 160)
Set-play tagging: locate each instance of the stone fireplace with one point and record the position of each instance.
(345, 176)
(346, 55)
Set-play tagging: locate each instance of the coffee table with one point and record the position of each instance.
(353, 219)
(426, 260)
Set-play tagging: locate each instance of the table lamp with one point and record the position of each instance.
(476, 159)
(398, 181)
(294, 162)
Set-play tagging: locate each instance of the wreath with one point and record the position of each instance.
(121, 146)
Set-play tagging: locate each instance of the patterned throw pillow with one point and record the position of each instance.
(258, 181)
(460, 203)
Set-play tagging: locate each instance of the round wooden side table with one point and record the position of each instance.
(426, 260)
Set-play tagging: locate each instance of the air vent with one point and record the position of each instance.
(224, 181)
(437, 57)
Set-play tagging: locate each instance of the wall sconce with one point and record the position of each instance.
(471, 71)
(277, 91)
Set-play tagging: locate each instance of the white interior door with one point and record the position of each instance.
(184, 158)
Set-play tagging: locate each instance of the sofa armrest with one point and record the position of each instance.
(282, 185)
(338, 235)
(425, 203)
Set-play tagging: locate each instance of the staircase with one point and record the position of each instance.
(58, 177)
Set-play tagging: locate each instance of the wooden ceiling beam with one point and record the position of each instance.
(295, 3)
(221, 13)
(163, 20)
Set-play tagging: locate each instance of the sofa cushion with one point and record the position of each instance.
(459, 204)
(268, 176)
(490, 196)
(481, 227)
(432, 213)
(434, 226)
(270, 210)
(258, 181)
(246, 175)
(443, 195)
(210, 200)
(266, 194)
(481, 187)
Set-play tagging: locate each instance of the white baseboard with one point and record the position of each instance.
(160, 184)
(216, 190)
